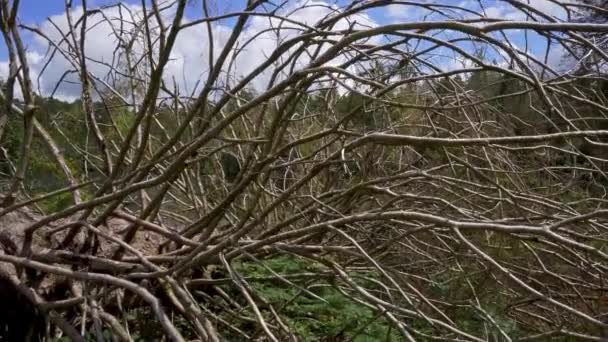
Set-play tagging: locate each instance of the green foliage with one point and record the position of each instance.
(56, 203)
(62, 201)
(13, 135)
(454, 286)
(230, 165)
(310, 318)
(124, 121)
(65, 122)
(89, 336)
(43, 174)
(280, 264)
(143, 327)
(313, 319)
(362, 118)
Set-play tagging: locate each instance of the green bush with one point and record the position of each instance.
(336, 316)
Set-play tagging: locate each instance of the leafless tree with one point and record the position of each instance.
(362, 148)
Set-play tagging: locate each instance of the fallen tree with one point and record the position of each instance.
(353, 184)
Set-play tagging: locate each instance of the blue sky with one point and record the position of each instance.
(36, 11)
(190, 50)
(33, 12)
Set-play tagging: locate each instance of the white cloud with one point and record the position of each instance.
(404, 12)
(188, 63)
(497, 9)
(33, 58)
